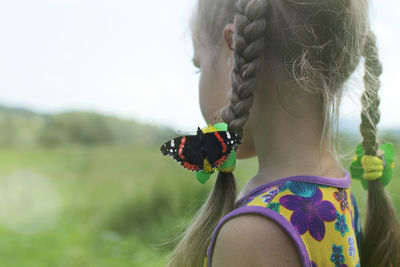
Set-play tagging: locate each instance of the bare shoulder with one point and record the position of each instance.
(254, 240)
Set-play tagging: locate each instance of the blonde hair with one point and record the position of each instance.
(319, 45)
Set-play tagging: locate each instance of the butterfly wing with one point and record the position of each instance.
(219, 145)
(185, 150)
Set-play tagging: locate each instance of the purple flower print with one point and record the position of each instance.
(309, 213)
(261, 191)
(352, 249)
(270, 195)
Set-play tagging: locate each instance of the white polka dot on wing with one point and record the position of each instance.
(172, 143)
(228, 135)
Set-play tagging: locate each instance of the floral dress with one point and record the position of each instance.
(319, 213)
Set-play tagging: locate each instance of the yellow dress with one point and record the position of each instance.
(319, 214)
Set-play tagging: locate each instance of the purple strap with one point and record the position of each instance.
(305, 259)
(343, 182)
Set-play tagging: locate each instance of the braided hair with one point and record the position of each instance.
(381, 241)
(250, 23)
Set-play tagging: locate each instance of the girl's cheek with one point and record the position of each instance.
(204, 105)
(212, 96)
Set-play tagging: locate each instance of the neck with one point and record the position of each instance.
(289, 147)
(288, 141)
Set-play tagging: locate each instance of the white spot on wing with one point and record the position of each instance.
(228, 135)
(172, 143)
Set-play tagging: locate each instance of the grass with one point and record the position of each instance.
(102, 206)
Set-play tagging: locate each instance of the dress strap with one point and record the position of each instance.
(270, 214)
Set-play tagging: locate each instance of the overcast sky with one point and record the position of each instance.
(133, 59)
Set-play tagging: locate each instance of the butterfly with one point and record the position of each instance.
(192, 150)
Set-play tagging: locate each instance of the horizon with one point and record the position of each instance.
(346, 125)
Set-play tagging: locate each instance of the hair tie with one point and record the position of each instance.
(368, 168)
(227, 167)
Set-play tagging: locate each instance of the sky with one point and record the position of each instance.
(133, 59)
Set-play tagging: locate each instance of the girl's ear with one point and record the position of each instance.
(229, 31)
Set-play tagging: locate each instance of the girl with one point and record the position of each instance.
(283, 64)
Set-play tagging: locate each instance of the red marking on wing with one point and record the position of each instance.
(220, 161)
(189, 166)
(221, 141)
(181, 145)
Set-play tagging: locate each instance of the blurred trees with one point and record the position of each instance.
(75, 127)
(20, 127)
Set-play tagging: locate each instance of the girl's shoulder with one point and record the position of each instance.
(319, 216)
(252, 240)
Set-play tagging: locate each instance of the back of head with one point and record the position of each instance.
(314, 45)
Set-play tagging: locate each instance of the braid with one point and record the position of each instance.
(381, 242)
(370, 100)
(250, 23)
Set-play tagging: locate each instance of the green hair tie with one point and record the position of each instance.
(228, 166)
(358, 172)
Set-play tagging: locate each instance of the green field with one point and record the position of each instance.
(102, 206)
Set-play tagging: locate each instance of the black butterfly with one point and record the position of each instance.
(191, 150)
